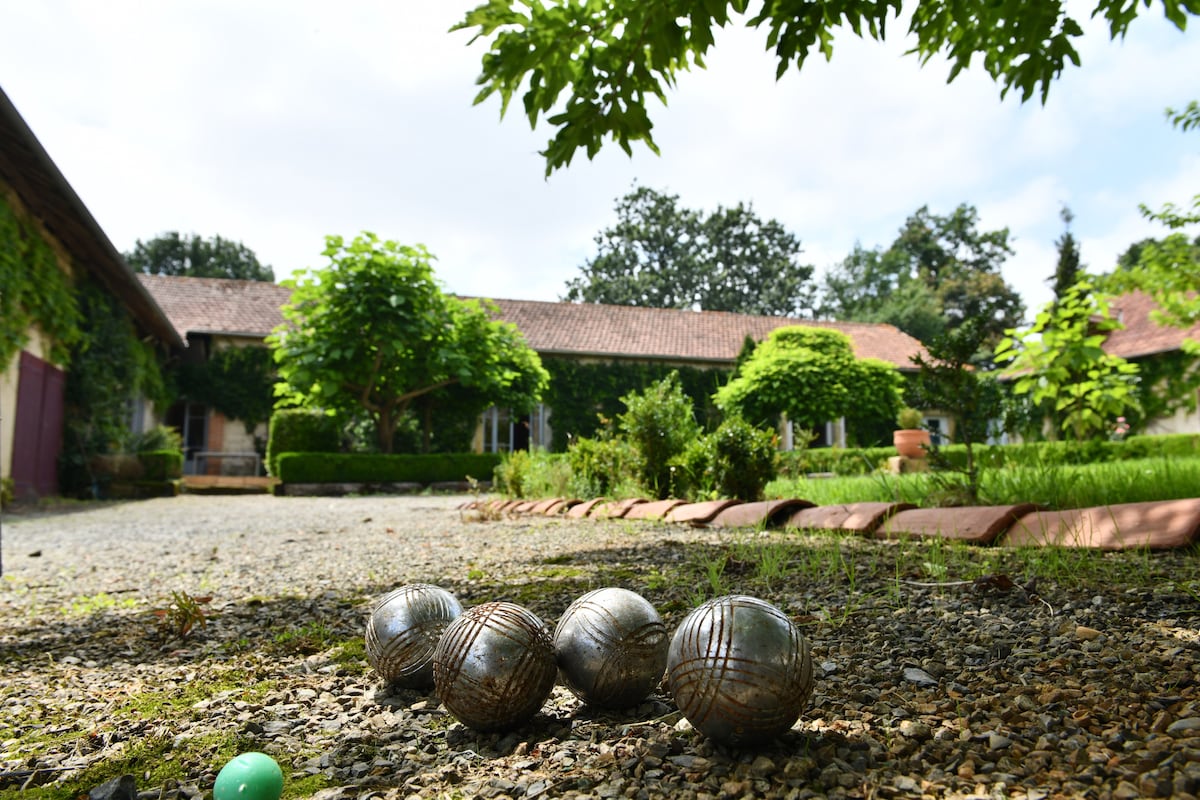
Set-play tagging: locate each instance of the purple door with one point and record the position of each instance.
(37, 437)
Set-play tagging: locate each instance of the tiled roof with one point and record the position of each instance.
(586, 329)
(218, 305)
(1142, 336)
(251, 308)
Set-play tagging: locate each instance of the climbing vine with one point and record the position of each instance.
(111, 366)
(581, 394)
(34, 289)
(239, 382)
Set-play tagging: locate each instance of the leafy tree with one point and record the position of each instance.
(374, 331)
(947, 379)
(609, 58)
(1169, 269)
(662, 255)
(939, 272)
(195, 257)
(812, 375)
(1067, 271)
(1060, 364)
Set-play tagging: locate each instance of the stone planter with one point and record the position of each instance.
(911, 443)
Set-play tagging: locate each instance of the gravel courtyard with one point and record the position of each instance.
(941, 671)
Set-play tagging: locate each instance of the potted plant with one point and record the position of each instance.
(911, 440)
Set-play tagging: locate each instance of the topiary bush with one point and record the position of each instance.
(300, 430)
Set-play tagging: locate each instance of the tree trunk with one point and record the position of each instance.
(385, 427)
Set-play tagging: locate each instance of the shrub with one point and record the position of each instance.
(375, 468)
(512, 473)
(660, 423)
(600, 467)
(161, 465)
(743, 459)
(300, 430)
(161, 437)
(533, 474)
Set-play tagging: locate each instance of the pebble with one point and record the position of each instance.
(946, 692)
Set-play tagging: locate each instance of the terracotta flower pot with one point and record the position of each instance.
(911, 443)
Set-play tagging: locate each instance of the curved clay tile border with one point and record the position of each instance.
(862, 518)
(1158, 525)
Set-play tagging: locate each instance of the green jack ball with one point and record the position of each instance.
(250, 776)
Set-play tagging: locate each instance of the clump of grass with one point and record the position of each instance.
(1054, 486)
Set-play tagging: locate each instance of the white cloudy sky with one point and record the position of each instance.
(275, 123)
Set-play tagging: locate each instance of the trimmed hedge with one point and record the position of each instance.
(300, 430)
(375, 468)
(161, 465)
(855, 461)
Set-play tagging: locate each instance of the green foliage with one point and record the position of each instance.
(588, 68)
(738, 460)
(909, 419)
(1169, 269)
(374, 332)
(239, 382)
(300, 430)
(160, 437)
(947, 380)
(1068, 270)
(584, 394)
(111, 367)
(382, 468)
(183, 615)
(659, 423)
(37, 290)
(537, 473)
(161, 465)
(863, 461)
(1059, 363)
(940, 272)
(663, 256)
(811, 375)
(602, 467)
(196, 257)
(1079, 484)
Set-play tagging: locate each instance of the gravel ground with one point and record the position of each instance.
(943, 672)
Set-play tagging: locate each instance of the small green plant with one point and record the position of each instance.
(909, 419)
(182, 615)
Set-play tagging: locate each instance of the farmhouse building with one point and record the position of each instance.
(49, 239)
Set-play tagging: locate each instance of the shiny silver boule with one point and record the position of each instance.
(739, 670)
(611, 647)
(404, 630)
(494, 666)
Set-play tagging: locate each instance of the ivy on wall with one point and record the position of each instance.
(110, 367)
(580, 394)
(239, 382)
(34, 289)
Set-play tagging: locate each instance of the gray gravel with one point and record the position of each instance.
(1077, 685)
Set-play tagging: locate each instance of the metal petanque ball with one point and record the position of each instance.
(611, 647)
(404, 630)
(739, 670)
(494, 666)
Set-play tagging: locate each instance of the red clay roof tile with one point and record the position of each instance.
(1142, 336)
